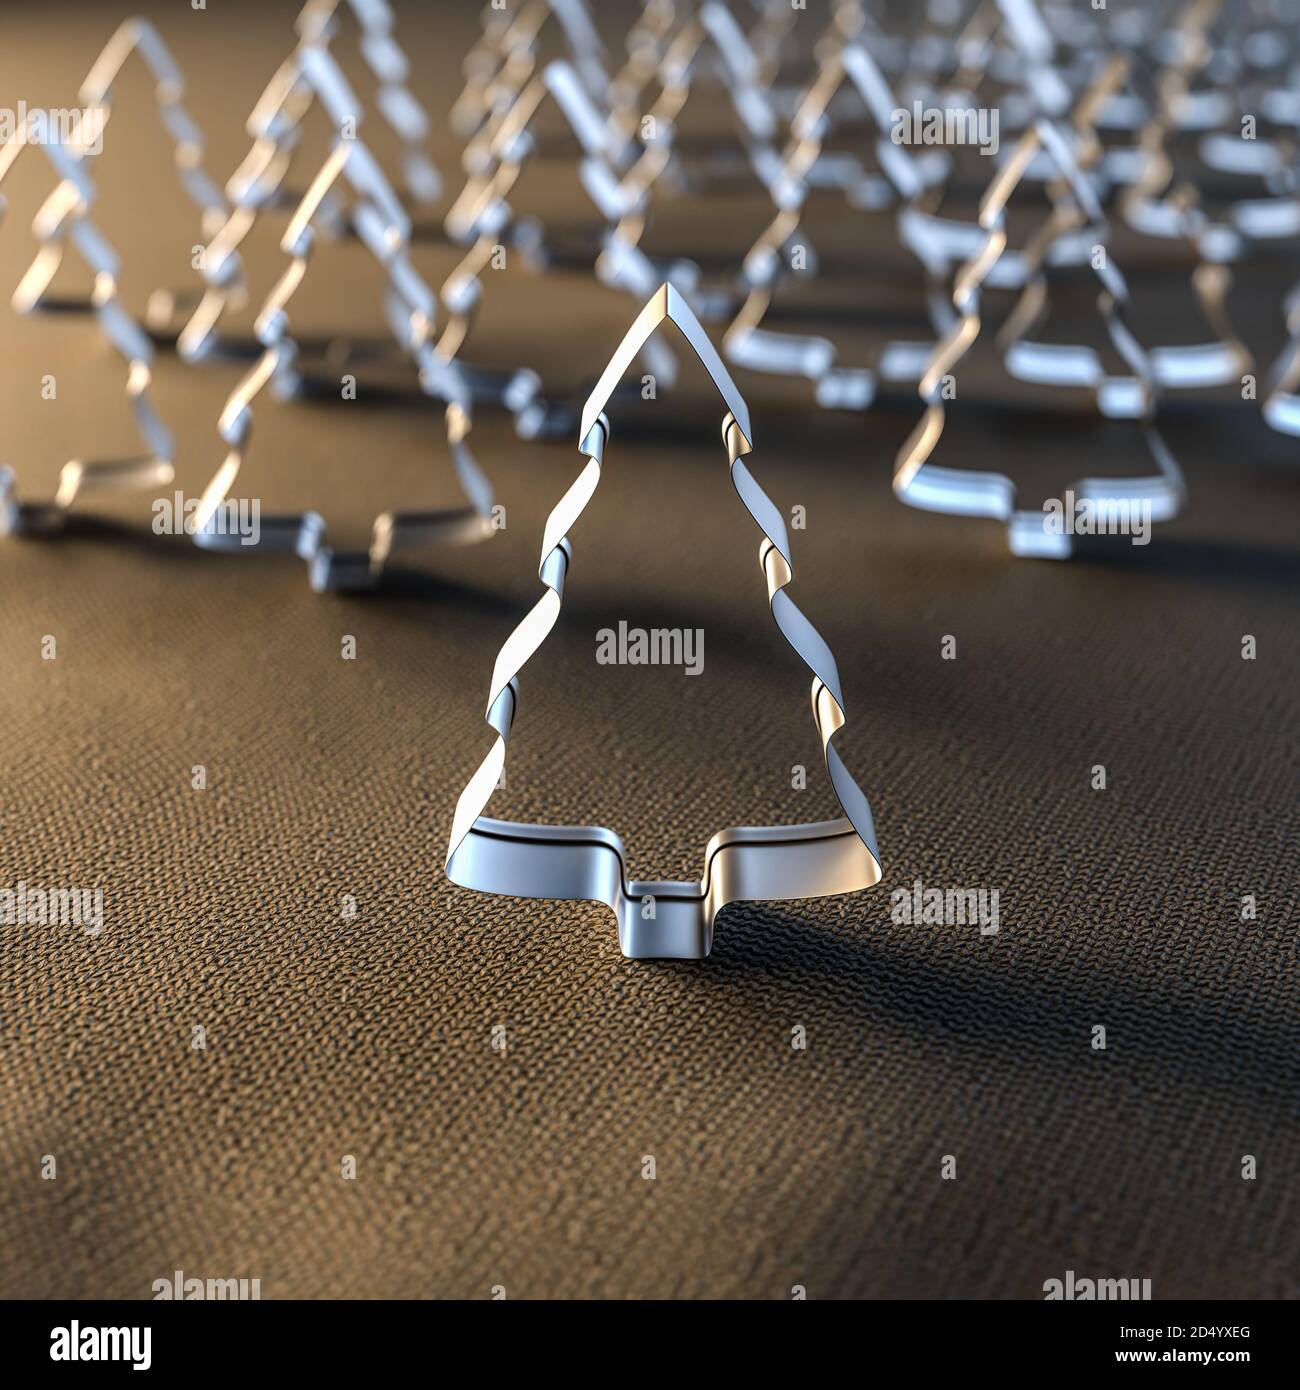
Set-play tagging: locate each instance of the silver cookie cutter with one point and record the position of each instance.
(318, 25)
(482, 217)
(309, 77)
(504, 58)
(963, 492)
(902, 177)
(65, 219)
(663, 919)
(411, 306)
(1159, 204)
(132, 37)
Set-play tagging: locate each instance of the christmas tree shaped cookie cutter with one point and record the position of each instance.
(384, 228)
(483, 218)
(309, 78)
(902, 178)
(132, 37)
(967, 492)
(66, 217)
(660, 919)
(504, 58)
(384, 56)
(1160, 203)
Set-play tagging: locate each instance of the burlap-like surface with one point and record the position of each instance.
(372, 1037)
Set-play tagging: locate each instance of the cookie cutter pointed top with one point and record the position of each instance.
(667, 303)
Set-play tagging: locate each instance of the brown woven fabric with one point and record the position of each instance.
(372, 1037)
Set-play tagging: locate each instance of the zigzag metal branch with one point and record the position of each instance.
(589, 862)
(965, 493)
(385, 229)
(66, 217)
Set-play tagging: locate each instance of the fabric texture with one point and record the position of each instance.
(328, 1035)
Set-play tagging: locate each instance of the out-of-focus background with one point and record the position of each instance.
(371, 1036)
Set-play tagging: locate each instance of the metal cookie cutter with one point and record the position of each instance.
(504, 57)
(1255, 62)
(962, 492)
(384, 56)
(131, 37)
(711, 48)
(411, 307)
(708, 40)
(1159, 204)
(769, 863)
(309, 77)
(482, 217)
(1007, 62)
(66, 218)
(747, 343)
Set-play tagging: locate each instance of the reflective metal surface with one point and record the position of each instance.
(660, 918)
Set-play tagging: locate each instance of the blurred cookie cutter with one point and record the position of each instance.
(964, 492)
(662, 919)
(411, 307)
(309, 77)
(65, 219)
(384, 56)
(1154, 205)
(504, 58)
(482, 217)
(132, 36)
(653, 162)
(746, 342)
